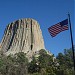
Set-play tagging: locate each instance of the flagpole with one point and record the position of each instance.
(71, 40)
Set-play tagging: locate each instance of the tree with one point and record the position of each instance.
(33, 66)
(65, 62)
(21, 63)
(14, 65)
(43, 65)
(45, 59)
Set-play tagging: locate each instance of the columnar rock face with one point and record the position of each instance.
(23, 35)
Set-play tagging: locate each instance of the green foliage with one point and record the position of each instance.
(1, 62)
(33, 67)
(14, 65)
(45, 59)
(21, 57)
(66, 62)
(43, 65)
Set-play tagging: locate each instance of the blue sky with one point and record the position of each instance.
(46, 12)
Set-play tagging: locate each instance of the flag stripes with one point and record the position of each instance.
(57, 28)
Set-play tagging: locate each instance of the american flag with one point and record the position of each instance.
(59, 27)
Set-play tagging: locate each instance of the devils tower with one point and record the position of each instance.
(23, 35)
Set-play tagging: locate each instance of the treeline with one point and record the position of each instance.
(43, 65)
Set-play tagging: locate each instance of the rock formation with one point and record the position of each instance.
(23, 35)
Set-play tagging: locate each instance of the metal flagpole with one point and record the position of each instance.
(71, 40)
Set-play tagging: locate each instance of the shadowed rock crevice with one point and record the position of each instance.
(14, 30)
